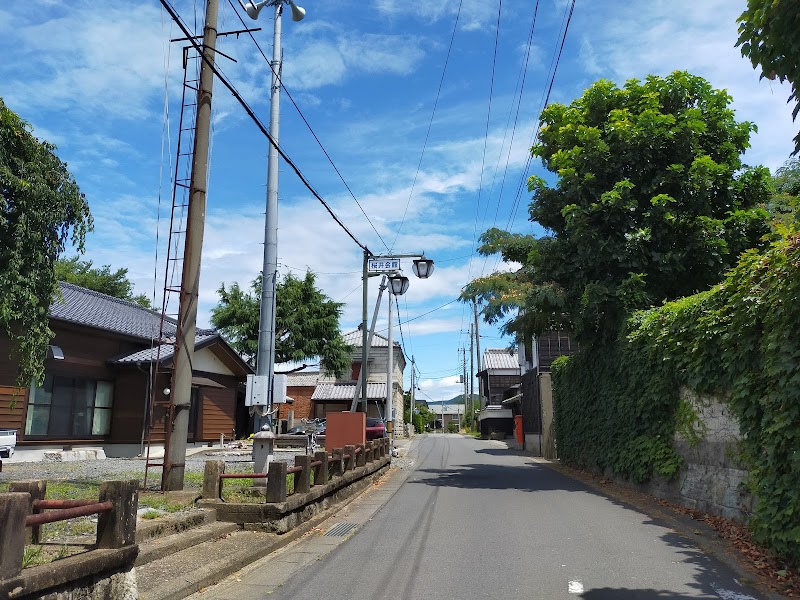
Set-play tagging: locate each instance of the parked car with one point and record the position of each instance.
(8, 440)
(375, 428)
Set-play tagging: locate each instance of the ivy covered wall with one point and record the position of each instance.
(617, 406)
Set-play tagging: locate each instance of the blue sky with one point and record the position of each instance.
(102, 82)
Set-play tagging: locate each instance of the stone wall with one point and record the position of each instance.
(713, 478)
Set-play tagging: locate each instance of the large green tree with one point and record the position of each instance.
(769, 35)
(651, 202)
(102, 279)
(41, 209)
(306, 322)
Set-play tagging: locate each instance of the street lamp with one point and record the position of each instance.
(422, 268)
(265, 358)
(398, 285)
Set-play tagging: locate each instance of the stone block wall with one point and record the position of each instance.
(713, 479)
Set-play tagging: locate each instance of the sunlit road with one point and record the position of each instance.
(475, 520)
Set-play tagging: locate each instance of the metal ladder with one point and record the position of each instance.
(158, 405)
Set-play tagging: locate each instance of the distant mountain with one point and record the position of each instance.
(460, 399)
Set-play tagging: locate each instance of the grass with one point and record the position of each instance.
(151, 514)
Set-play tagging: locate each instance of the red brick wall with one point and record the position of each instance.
(302, 406)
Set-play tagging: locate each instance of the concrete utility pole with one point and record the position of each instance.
(265, 359)
(174, 461)
(413, 387)
(466, 386)
(390, 381)
(477, 349)
(471, 380)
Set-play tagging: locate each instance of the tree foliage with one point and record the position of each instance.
(103, 279)
(306, 322)
(769, 35)
(651, 203)
(41, 209)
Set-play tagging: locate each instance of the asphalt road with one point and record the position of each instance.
(475, 520)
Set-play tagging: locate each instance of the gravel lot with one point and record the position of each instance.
(111, 468)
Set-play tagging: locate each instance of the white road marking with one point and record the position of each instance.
(730, 595)
(576, 587)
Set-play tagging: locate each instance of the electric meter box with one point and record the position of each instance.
(256, 394)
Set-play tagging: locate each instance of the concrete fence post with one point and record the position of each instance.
(302, 480)
(368, 451)
(38, 490)
(276, 482)
(350, 463)
(361, 455)
(321, 472)
(338, 463)
(117, 528)
(212, 484)
(14, 507)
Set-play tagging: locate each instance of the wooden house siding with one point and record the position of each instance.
(13, 401)
(216, 413)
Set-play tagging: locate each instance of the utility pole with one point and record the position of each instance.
(471, 380)
(390, 382)
(178, 427)
(477, 348)
(413, 387)
(466, 386)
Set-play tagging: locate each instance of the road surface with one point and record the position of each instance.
(472, 519)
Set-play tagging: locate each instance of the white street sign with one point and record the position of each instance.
(383, 265)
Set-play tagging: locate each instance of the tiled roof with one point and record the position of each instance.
(166, 350)
(303, 379)
(353, 338)
(345, 391)
(87, 307)
(500, 358)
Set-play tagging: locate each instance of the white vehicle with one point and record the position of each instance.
(8, 440)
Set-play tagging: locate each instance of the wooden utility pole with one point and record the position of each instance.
(178, 428)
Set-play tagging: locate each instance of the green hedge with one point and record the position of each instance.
(617, 406)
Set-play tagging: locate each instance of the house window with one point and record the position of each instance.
(70, 407)
(356, 371)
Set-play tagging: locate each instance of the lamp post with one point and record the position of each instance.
(382, 265)
(398, 285)
(265, 358)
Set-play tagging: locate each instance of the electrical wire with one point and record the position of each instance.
(224, 80)
(310, 129)
(486, 135)
(430, 123)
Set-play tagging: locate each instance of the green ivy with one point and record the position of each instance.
(617, 405)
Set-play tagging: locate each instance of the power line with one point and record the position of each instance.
(257, 121)
(486, 135)
(310, 129)
(430, 123)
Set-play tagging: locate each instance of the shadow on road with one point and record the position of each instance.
(713, 579)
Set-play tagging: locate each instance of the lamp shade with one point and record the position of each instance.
(252, 8)
(298, 12)
(422, 267)
(398, 284)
